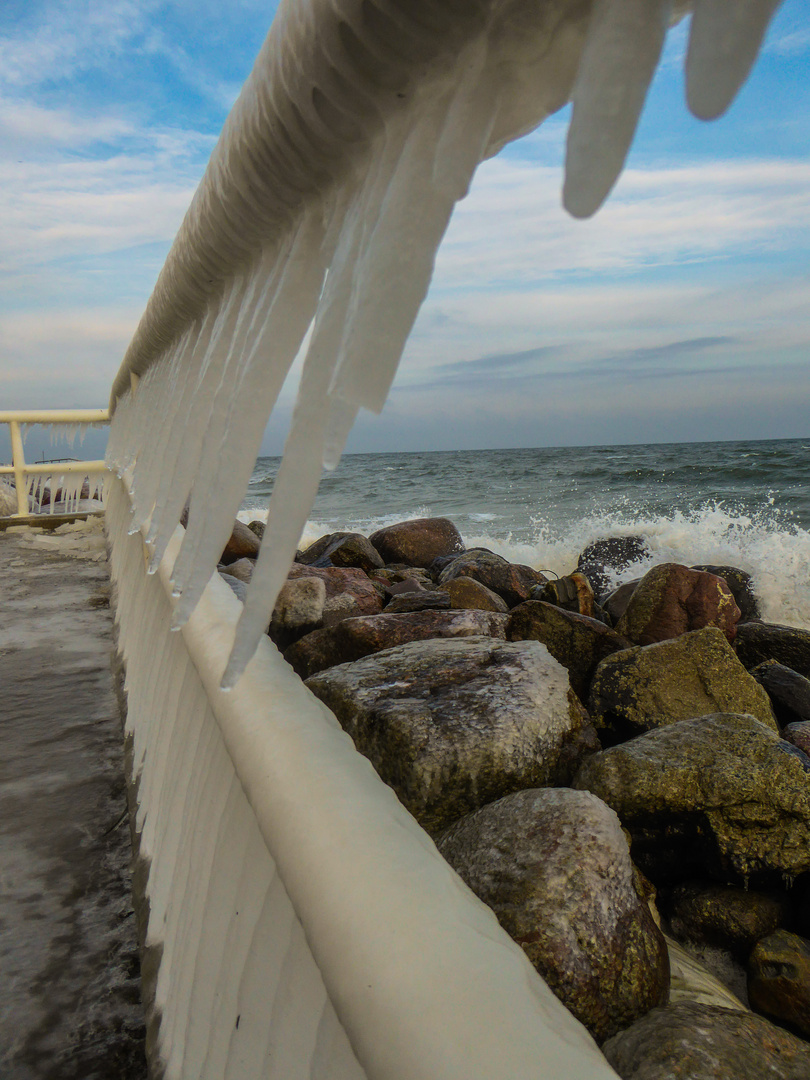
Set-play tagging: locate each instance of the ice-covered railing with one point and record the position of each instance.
(321, 210)
(62, 487)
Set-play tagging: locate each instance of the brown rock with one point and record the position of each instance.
(243, 544)
(466, 592)
(349, 593)
(419, 600)
(579, 643)
(798, 735)
(342, 549)
(298, 611)
(724, 916)
(553, 865)
(671, 599)
(417, 542)
(756, 642)
(779, 980)
(511, 581)
(242, 569)
(257, 527)
(355, 638)
(742, 588)
(688, 1041)
(454, 724)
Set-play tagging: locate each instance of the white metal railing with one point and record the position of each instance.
(22, 470)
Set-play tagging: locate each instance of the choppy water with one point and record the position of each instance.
(744, 503)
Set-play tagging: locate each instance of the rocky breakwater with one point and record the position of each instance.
(619, 772)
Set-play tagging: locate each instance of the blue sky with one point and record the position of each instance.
(679, 312)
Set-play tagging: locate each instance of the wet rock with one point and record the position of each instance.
(243, 544)
(242, 569)
(511, 581)
(798, 735)
(672, 599)
(788, 690)
(466, 592)
(553, 865)
(349, 593)
(454, 724)
(688, 1041)
(603, 559)
(758, 641)
(716, 795)
(572, 593)
(615, 603)
(779, 980)
(418, 600)
(742, 588)
(724, 916)
(298, 611)
(257, 527)
(646, 687)
(577, 642)
(342, 549)
(417, 542)
(355, 638)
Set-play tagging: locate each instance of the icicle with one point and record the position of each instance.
(724, 41)
(620, 57)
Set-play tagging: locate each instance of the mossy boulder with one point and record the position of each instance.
(646, 687)
(417, 542)
(725, 916)
(468, 594)
(553, 865)
(720, 795)
(454, 724)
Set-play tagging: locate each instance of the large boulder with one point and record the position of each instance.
(648, 686)
(724, 916)
(779, 980)
(467, 593)
(298, 610)
(721, 795)
(353, 639)
(349, 593)
(690, 1041)
(672, 599)
(342, 549)
(243, 543)
(578, 642)
(454, 724)
(417, 542)
(513, 582)
(553, 865)
(742, 588)
(603, 560)
(788, 645)
(788, 690)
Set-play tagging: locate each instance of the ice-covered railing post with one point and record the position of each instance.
(300, 923)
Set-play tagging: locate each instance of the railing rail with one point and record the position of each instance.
(22, 470)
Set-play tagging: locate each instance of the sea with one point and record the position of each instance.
(745, 504)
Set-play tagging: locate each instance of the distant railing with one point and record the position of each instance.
(22, 471)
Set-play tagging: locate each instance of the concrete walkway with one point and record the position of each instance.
(69, 974)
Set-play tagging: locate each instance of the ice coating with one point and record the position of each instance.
(323, 206)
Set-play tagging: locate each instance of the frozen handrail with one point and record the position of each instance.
(323, 205)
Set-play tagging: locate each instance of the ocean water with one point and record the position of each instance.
(741, 503)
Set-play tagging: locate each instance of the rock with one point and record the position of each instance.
(615, 603)
(672, 599)
(417, 542)
(353, 639)
(716, 795)
(779, 980)
(467, 593)
(577, 642)
(243, 544)
(646, 687)
(798, 735)
(725, 916)
(742, 588)
(452, 725)
(572, 593)
(788, 690)
(758, 641)
(688, 1041)
(553, 865)
(602, 559)
(8, 499)
(349, 593)
(419, 600)
(342, 549)
(405, 585)
(298, 611)
(237, 587)
(257, 527)
(242, 569)
(511, 581)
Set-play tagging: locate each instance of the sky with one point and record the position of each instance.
(679, 312)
